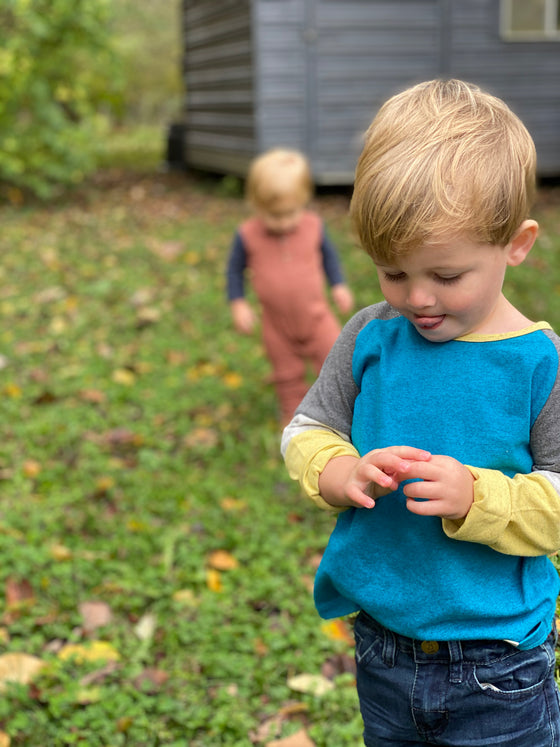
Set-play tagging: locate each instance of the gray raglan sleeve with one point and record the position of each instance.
(545, 433)
(329, 403)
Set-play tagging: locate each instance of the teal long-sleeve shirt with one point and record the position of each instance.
(492, 402)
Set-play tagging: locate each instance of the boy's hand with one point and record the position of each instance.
(446, 487)
(348, 481)
(243, 316)
(343, 298)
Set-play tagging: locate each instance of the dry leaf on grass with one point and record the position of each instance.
(315, 684)
(18, 667)
(299, 739)
(95, 615)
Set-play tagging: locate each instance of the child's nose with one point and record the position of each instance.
(420, 297)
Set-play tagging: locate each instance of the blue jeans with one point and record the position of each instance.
(454, 693)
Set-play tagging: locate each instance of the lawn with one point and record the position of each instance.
(156, 561)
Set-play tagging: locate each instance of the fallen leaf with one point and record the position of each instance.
(214, 580)
(61, 552)
(99, 674)
(201, 437)
(94, 651)
(233, 504)
(167, 250)
(18, 592)
(18, 667)
(337, 665)
(123, 376)
(232, 380)
(95, 396)
(299, 739)
(222, 560)
(95, 614)
(186, 597)
(314, 684)
(31, 468)
(88, 695)
(338, 630)
(145, 627)
(147, 315)
(151, 679)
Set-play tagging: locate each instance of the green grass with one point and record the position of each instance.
(139, 436)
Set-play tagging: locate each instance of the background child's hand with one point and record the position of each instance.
(446, 485)
(244, 318)
(343, 298)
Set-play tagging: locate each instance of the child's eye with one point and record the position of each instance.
(447, 279)
(396, 277)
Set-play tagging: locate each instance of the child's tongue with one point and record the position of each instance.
(429, 322)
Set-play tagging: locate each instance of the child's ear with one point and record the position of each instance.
(522, 242)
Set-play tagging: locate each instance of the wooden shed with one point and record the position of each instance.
(310, 74)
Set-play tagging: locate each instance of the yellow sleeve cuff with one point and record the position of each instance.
(513, 515)
(307, 455)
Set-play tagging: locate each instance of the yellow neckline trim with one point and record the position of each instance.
(475, 337)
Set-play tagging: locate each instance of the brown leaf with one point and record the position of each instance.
(99, 675)
(95, 615)
(299, 739)
(31, 468)
(151, 679)
(222, 560)
(18, 592)
(338, 664)
(94, 396)
(167, 250)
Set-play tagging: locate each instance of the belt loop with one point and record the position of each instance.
(389, 653)
(455, 661)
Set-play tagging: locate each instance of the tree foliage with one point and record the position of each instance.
(57, 76)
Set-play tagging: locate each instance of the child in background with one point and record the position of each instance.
(434, 431)
(286, 249)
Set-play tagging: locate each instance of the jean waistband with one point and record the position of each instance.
(453, 652)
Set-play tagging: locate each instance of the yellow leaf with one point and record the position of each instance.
(18, 667)
(11, 390)
(61, 552)
(233, 380)
(5, 740)
(222, 560)
(123, 376)
(233, 504)
(214, 580)
(186, 597)
(315, 684)
(337, 630)
(88, 695)
(94, 651)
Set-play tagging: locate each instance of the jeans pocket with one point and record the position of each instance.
(517, 675)
(369, 642)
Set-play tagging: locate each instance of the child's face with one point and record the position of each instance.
(449, 288)
(283, 215)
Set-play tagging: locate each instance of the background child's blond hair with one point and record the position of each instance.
(442, 158)
(277, 173)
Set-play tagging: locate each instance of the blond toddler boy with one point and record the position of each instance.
(434, 431)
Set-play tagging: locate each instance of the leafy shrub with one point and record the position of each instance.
(57, 75)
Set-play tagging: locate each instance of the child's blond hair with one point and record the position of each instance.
(442, 158)
(277, 173)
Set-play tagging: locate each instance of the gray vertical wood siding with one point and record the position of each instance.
(311, 74)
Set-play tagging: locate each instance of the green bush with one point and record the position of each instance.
(57, 76)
